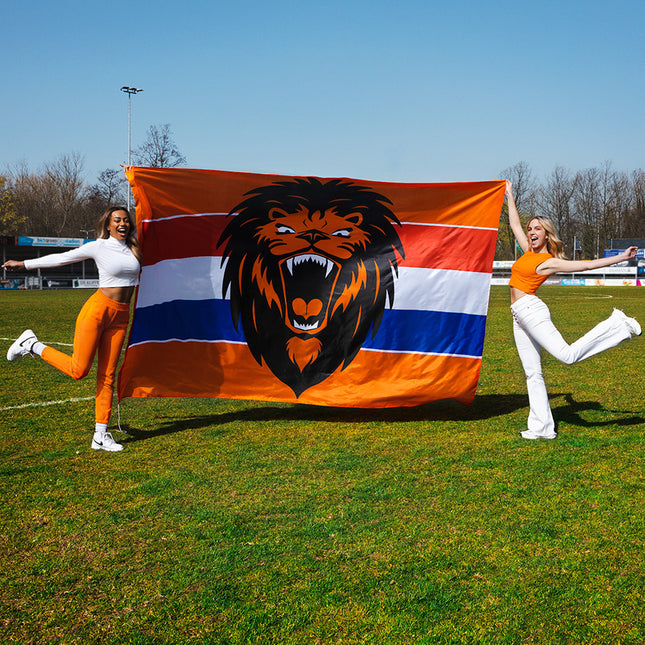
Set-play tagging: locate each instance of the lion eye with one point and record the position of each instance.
(342, 232)
(284, 230)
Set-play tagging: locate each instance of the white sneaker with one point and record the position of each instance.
(105, 441)
(22, 346)
(529, 434)
(632, 323)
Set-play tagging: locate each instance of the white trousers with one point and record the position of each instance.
(533, 329)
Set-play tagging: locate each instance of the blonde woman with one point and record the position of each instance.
(101, 325)
(532, 327)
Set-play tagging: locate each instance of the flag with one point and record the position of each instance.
(327, 291)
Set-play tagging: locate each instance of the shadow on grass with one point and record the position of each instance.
(484, 407)
(571, 413)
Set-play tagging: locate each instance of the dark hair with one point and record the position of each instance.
(130, 240)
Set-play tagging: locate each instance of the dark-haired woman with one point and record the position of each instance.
(532, 327)
(102, 323)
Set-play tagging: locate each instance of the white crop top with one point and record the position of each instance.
(116, 264)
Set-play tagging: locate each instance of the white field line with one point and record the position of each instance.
(42, 404)
(48, 343)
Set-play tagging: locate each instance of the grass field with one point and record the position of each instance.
(231, 522)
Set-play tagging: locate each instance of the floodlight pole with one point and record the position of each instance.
(130, 91)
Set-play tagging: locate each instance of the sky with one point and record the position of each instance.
(403, 90)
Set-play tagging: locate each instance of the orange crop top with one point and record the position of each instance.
(523, 272)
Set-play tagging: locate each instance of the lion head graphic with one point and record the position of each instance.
(310, 265)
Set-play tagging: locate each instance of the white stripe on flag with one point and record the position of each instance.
(416, 289)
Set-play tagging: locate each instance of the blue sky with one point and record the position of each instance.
(400, 90)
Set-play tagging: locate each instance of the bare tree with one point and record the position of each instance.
(586, 201)
(524, 192)
(554, 199)
(65, 176)
(159, 149)
(608, 206)
(10, 219)
(108, 190)
(31, 199)
(54, 201)
(623, 199)
(524, 187)
(634, 224)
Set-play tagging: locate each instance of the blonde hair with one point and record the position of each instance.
(554, 245)
(130, 240)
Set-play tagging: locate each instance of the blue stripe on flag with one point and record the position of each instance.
(432, 332)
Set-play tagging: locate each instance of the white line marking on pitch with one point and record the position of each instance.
(42, 404)
(49, 343)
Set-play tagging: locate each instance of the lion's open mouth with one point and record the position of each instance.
(308, 285)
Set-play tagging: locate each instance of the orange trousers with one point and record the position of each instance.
(100, 330)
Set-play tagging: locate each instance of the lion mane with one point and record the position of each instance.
(310, 267)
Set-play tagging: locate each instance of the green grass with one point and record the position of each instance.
(231, 522)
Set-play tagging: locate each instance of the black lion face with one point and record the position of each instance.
(310, 266)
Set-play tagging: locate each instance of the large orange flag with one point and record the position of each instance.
(338, 292)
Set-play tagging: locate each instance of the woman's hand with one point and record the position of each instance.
(629, 253)
(509, 189)
(13, 264)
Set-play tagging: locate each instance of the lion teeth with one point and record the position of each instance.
(310, 257)
(302, 327)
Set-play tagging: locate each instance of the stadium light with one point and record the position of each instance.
(130, 91)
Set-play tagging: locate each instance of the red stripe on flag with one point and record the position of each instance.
(447, 247)
(229, 371)
(430, 247)
(181, 237)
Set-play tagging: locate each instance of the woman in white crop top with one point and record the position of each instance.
(102, 323)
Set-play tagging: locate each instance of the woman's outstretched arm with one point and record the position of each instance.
(514, 219)
(557, 265)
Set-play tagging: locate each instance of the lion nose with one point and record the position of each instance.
(313, 236)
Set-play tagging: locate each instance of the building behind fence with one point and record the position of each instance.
(22, 247)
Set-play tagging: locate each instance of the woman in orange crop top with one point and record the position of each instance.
(532, 327)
